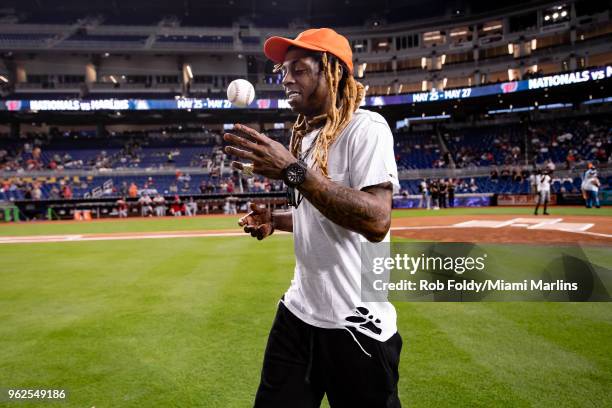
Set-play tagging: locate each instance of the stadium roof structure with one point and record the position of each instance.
(268, 13)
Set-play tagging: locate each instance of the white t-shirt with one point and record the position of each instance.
(544, 184)
(326, 287)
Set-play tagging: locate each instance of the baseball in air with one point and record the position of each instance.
(240, 92)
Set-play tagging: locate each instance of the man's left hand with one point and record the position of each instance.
(269, 157)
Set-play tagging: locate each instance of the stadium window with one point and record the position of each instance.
(491, 31)
(434, 38)
(460, 35)
(523, 22)
(382, 44)
(360, 46)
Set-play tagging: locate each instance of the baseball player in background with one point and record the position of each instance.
(543, 186)
(590, 187)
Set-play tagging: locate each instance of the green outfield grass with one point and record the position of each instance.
(202, 223)
(183, 323)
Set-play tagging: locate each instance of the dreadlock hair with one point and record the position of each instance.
(346, 94)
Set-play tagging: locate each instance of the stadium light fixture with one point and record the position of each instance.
(555, 15)
(510, 49)
(113, 79)
(534, 44)
(431, 35)
(563, 13)
(546, 17)
(3, 78)
(492, 27)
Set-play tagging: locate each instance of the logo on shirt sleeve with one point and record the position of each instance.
(362, 317)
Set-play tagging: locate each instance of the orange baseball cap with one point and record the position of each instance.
(315, 39)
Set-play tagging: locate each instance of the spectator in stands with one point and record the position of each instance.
(494, 175)
(67, 192)
(185, 188)
(505, 174)
(473, 185)
(203, 187)
(133, 190)
(36, 191)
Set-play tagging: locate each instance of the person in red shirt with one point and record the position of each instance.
(67, 192)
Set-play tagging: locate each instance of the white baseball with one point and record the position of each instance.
(240, 92)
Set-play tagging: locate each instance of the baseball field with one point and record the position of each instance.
(175, 312)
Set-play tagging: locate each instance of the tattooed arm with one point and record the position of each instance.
(367, 212)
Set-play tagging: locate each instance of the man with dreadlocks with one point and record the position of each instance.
(340, 174)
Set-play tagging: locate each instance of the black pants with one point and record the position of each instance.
(303, 362)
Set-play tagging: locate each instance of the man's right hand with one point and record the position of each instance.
(258, 222)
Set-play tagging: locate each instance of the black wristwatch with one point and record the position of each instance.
(294, 174)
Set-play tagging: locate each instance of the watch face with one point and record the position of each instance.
(295, 174)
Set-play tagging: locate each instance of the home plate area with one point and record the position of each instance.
(492, 228)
